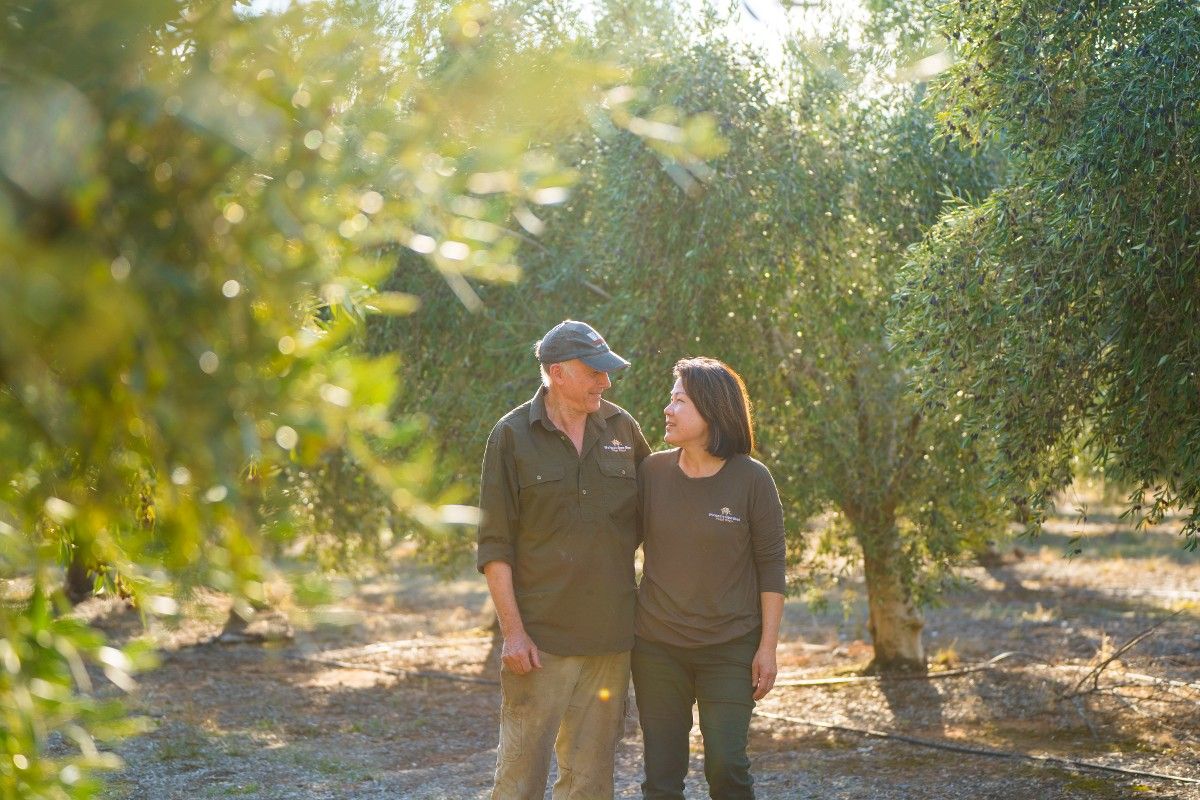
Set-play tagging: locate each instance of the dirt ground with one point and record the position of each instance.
(392, 693)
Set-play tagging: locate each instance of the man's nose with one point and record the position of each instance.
(605, 381)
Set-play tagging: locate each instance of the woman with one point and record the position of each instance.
(711, 596)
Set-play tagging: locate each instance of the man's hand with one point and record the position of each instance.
(520, 654)
(763, 671)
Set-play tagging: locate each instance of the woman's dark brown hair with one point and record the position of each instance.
(719, 394)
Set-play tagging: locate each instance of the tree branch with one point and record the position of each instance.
(908, 454)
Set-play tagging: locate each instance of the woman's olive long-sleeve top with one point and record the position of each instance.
(711, 546)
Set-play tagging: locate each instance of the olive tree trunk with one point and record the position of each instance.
(78, 583)
(895, 620)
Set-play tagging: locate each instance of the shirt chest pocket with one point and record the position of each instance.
(618, 468)
(537, 479)
(619, 479)
(541, 492)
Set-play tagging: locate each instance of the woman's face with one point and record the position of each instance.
(684, 423)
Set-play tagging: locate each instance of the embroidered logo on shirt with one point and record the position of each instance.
(725, 515)
(617, 446)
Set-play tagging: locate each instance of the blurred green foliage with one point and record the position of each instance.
(1063, 305)
(197, 204)
(779, 256)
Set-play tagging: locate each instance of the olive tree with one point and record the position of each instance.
(1062, 304)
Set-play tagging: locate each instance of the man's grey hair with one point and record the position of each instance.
(545, 370)
(537, 353)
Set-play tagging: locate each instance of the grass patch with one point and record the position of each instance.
(116, 788)
(330, 767)
(337, 768)
(243, 790)
(1066, 741)
(946, 658)
(187, 745)
(238, 745)
(371, 727)
(1096, 786)
(833, 741)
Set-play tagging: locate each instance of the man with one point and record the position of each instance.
(559, 500)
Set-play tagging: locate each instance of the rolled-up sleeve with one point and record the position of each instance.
(498, 500)
(766, 535)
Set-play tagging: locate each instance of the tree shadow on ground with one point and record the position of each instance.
(253, 716)
(1057, 633)
(914, 704)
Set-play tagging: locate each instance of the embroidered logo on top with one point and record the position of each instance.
(725, 515)
(617, 446)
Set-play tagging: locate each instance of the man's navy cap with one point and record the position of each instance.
(570, 339)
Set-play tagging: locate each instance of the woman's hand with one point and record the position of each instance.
(763, 671)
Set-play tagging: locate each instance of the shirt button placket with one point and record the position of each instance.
(584, 509)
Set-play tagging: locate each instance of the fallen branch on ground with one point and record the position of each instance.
(403, 644)
(1095, 672)
(400, 673)
(950, 673)
(1135, 678)
(992, 663)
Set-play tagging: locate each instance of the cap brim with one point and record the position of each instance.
(605, 362)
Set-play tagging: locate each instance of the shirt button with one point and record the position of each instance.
(538, 477)
(585, 491)
(622, 472)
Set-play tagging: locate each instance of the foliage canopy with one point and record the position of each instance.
(195, 204)
(1063, 304)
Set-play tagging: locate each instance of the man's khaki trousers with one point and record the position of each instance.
(574, 705)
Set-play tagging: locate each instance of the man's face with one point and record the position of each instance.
(577, 386)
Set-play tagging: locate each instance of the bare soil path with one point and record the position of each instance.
(400, 702)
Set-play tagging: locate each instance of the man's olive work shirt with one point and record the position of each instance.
(567, 523)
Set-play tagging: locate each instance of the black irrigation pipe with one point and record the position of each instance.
(991, 663)
(977, 751)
